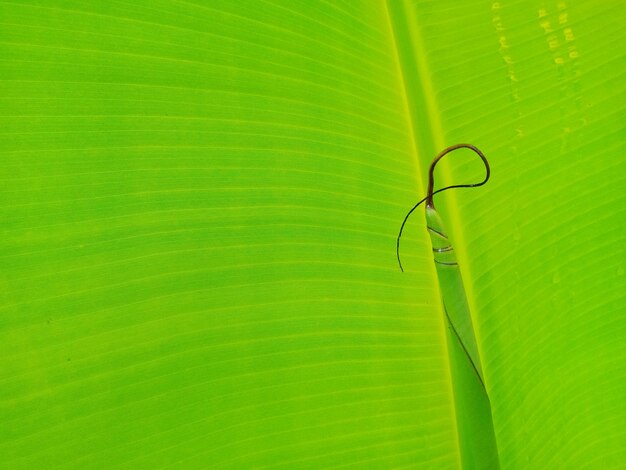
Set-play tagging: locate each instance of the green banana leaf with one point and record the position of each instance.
(199, 209)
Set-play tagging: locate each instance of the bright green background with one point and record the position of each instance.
(199, 206)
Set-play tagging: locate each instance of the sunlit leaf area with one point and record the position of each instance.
(199, 206)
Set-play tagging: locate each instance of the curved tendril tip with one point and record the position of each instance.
(431, 184)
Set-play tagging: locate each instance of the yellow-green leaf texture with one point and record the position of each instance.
(198, 213)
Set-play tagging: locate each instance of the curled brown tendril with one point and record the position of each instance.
(431, 184)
